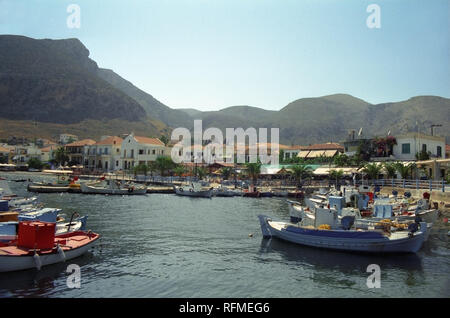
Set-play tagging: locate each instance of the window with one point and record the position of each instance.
(153, 151)
(106, 151)
(117, 163)
(406, 148)
(141, 152)
(424, 148)
(439, 151)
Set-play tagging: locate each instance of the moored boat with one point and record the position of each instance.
(20, 255)
(113, 187)
(345, 239)
(193, 190)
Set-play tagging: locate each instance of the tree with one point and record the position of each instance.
(61, 156)
(152, 168)
(253, 171)
(141, 168)
(201, 173)
(341, 160)
(423, 155)
(301, 172)
(391, 169)
(163, 164)
(281, 156)
(165, 140)
(226, 172)
(372, 170)
(35, 163)
(336, 175)
(179, 170)
(405, 170)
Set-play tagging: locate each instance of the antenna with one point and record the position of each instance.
(360, 131)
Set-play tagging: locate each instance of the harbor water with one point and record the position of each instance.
(162, 245)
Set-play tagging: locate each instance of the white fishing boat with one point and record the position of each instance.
(14, 257)
(112, 187)
(193, 190)
(345, 239)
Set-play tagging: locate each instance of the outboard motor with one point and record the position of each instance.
(407, 195)
(347, 222)
(394, 193)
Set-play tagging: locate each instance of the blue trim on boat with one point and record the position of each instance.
(334, 233)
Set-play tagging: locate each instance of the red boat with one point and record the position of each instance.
(255, 194)
(38, 246)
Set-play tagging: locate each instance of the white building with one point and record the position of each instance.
(410, 144)
(138, 150)
(67, 138)
(103, 155)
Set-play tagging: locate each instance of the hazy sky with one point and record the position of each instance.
(210, 54)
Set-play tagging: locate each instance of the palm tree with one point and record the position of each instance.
(61, 156)
(253, 171)
(336, 175)
(372, 170)
(300, 172)
(405, 170)
(201, 172)
(226, 172)
(179, 170)
(391, 169)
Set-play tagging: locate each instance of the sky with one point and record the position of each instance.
(211, 54)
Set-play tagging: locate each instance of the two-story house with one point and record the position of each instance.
(137, 150)
(103, 155)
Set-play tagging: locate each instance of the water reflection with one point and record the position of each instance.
(34, 283)
(343, 261)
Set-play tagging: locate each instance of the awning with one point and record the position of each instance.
(329, 153)
(303, 153)
(326, 171)
(315, 153)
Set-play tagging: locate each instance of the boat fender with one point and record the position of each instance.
(37, 261)
(413, 227)
(61, 253)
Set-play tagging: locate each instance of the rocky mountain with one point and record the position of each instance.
(52, 85)
(330, 118)
(55, 81)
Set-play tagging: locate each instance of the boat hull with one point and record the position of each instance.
(199, 194)
(328, 240)
(86, 189)
(10, 263)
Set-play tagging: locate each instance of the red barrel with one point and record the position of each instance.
(38, 235)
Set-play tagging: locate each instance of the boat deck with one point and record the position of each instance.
(69, 241)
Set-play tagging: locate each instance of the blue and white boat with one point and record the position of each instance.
(8, 230)
(344, 238)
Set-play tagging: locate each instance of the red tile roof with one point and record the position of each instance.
(49, 148)
(327, 146)
(113, 140)
(81, 143)
(149, 141)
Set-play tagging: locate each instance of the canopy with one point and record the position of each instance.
(303, 153)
